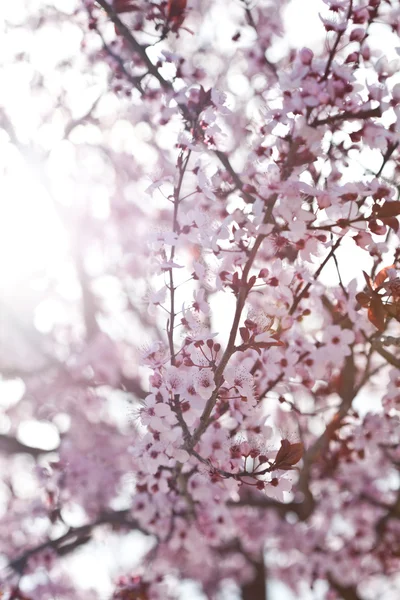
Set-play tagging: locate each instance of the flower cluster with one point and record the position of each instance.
(216, 371)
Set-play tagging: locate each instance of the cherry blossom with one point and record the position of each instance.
(337, 342)
(215, 352)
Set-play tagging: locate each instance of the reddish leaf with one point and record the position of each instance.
(393, 288)
(368, 280)
(392, 222)
(235, 278)
(349, 196)
(124, 6)
(382, 275)
(251, 281)
(176, 12)
(388, 209)
(250, 324)
(176, 8)
(381, 192)
(244, 333)
(235, 282)
(376, 313)
(288, 455)
(394, 311)
(375, 227)
(304, 157)
(204, 97)
(363, 299)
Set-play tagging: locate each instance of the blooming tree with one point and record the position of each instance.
(211, 375)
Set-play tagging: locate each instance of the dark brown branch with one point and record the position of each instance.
(89, 307)
(264, 48)
(279, 378)
(75, 537)
(257, 588)
(134, 44)
(132, 386)
(304, 508)
(303, 292)
(339, 36)
(389, 151)
(347, 593)
(262, 501)
(10, 445)
(348, 116)
(242, 294)
(182, 166)
(235, 177)
(230, 348)
(347, 393)
(135, 81)
(76, 122)
(392, 360)
(166, 85)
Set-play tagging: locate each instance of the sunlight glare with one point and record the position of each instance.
(32, 240)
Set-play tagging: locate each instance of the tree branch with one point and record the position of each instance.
(10, 445)
(257, 588)
(75, 537)
(348, 116)
(347, 593)
(134, 44)
(236, 179)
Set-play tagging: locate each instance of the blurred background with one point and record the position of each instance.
(77, 150)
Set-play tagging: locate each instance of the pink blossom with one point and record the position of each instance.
(206, 177)
(204, 383)
(200, 304)
(337, 342)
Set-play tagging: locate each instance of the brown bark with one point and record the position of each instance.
(256, 589)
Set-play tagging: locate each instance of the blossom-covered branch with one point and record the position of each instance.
(210, 342)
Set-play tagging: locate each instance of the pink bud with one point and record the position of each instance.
(306, 56)
(377, 227)
(361, 15)
(352, 57)
(396, 92)
(245, 448)
(323, 98)
(324, 200)
(366, 52)
(357, 35)
(287, 322)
